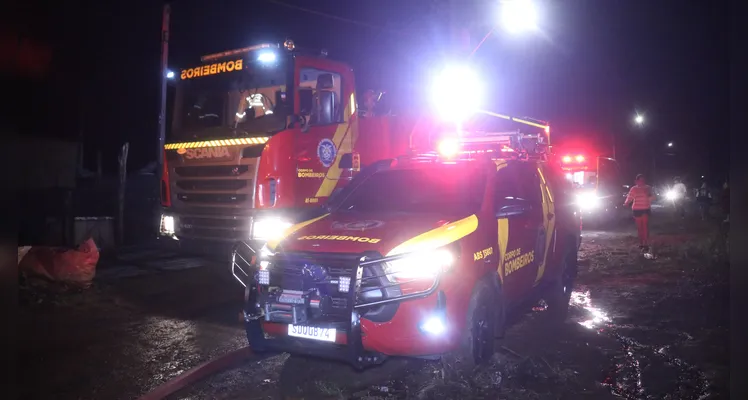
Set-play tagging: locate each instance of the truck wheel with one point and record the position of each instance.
(559, 293)
(478, 343)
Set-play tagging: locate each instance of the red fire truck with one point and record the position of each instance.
(422, 255)
(259, 134)
(597, 184)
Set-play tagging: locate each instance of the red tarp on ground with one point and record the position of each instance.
(75, 267)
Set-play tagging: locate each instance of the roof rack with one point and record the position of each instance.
(519, 143)
(289, 45)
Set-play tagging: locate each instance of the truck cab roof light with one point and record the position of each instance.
(229, 53)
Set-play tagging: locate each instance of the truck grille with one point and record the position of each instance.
(212, 171)
(288, 273)
(211, 185)
(214, 201)
(212, 198)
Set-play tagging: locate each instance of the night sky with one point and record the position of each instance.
(594, 64)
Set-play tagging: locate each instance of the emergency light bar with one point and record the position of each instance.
(229, 53)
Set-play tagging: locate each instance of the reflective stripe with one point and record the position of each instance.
(216, 143)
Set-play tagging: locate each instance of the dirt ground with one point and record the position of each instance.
(639, 329)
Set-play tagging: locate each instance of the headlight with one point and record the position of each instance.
(671, 195)
(269, 228)
(422, 265)
(588, 201)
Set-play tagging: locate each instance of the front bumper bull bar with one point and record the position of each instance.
(271, 303)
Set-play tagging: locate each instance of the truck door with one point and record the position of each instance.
(518, 215)
(327, 135)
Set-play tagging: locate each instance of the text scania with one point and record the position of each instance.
(341, 238)
(212, 69)
(208, 152)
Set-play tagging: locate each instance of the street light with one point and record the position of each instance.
(639, 119)
(669, 144)
(519, 15)
(169, 74)
(516, 16)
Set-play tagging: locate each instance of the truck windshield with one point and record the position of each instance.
(246, 102)
(448, 189)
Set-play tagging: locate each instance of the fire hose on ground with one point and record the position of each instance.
(202, 371)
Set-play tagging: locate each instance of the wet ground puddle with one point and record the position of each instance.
(641, 371)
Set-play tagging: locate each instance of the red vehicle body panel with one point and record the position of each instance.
(506, 237)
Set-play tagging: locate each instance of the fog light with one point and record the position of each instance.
(263, 277)
(167, 225)
(344, 284)
(434, 325)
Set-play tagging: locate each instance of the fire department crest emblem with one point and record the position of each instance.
(326, 152)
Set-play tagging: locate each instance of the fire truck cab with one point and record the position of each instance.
(596, 181)
(419, 256)
(258, 135)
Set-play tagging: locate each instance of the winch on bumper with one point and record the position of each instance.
(314, 303)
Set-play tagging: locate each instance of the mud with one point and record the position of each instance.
(638, 329)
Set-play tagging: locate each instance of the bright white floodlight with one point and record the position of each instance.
(457, 92)
(518, 15)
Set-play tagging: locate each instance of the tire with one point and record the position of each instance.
(559, 292)
(484, 323)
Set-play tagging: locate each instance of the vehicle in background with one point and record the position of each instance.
(260, 134)
(597, 183)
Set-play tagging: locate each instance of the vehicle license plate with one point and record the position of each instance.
(312, 332)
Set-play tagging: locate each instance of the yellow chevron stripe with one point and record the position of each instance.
(274, 243)
(216, 143)
(343, 146)
(503, 242)
(438, 237)
(550, 224)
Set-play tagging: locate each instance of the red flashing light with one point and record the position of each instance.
(579, 158)
(566, 159)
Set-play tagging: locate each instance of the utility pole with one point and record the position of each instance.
(164, 67)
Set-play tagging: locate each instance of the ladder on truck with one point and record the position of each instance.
(530, 140)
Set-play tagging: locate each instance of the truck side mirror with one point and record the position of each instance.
(346, 161)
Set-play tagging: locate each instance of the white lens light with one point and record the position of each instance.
(344, 284)
(266, 57)
(263, 277)
(434, 325)
(588, 201)
(265, 252)
(269, 228)
(424, 265)
(519, 15)
(457, 92)
(167, 224)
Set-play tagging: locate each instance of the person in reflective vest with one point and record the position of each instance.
(640, 197)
